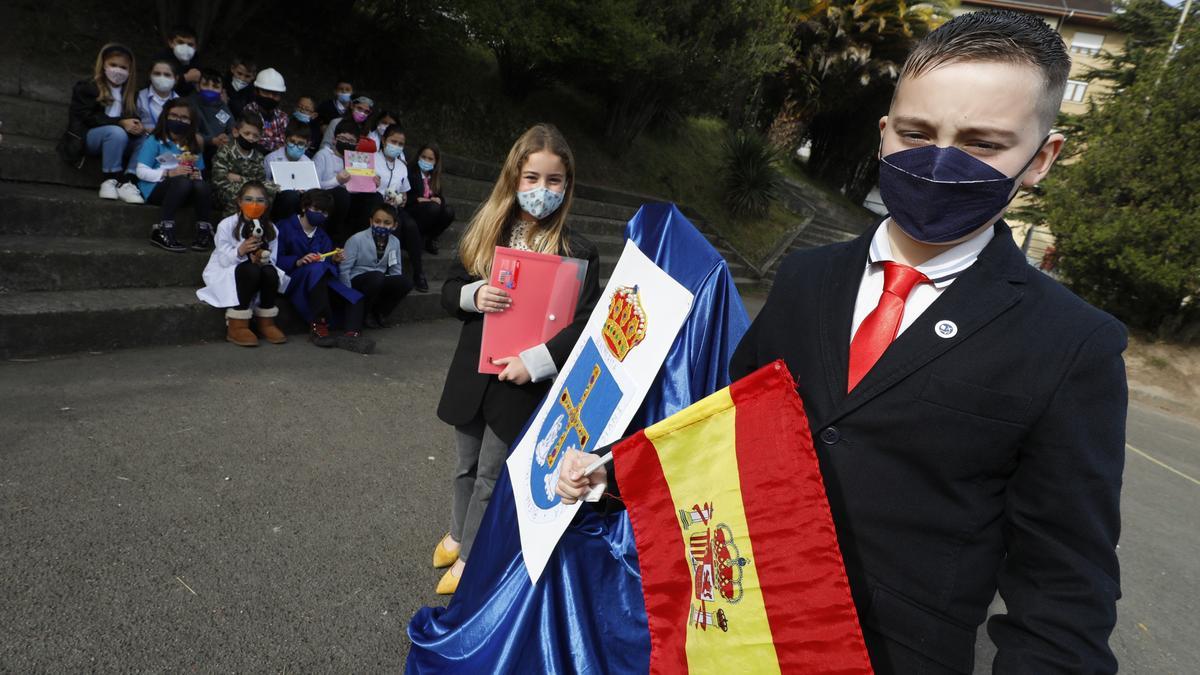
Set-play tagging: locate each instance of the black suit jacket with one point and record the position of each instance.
(506, 406)
(86, 113)
(991, 458)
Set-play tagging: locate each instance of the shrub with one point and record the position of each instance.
(750, 177)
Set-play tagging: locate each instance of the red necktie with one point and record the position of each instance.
(880, 327)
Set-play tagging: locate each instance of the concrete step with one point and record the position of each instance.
(51, 210)
(42, 263)
(817, 235)
(40, 324)
(30, 117)
(33, 160)
(47, 263)
(41, 209)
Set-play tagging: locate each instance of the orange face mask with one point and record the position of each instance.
(253, 210)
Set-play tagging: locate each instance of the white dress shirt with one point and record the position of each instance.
(941, 269)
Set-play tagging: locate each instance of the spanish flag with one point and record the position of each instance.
(741, 570)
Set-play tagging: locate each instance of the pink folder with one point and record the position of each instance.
(544, 290)
(361, 167)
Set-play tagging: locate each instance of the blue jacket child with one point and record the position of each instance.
(312, 283)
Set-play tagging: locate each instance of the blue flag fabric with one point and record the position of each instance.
(586, 614)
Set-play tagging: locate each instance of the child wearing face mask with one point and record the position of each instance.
(350, 210)
(169, 169)
(306, 114)
(391, 177)
(383, 119)
(314, 285)
(426, 203)
(268, 92)
(287, 202)
(372, 266)
(359, 112)
(181, 54)
(239, 162)
(160, 90)
(238, 79)
(103, 121)
(216, 119)
(335, 107)
(527, 210)
(242, 270)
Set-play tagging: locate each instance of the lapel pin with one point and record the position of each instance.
(945, 329)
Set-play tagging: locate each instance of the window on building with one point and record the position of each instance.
(1075, 90)
(1087, 43)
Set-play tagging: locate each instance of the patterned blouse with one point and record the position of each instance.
(516, 240)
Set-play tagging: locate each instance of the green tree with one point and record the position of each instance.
(1125, 210)
(643, 59)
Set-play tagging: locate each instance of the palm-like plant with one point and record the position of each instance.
(845, 59)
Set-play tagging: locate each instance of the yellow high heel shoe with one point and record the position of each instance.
(448, 583)
(442, 557)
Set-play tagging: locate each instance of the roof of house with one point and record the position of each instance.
(1083, 9)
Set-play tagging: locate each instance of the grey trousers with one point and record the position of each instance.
(481, 455)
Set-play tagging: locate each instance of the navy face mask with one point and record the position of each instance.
(315, 218)
(938, 195)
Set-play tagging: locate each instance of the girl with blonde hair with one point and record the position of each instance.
(102, 121)
(527, 210)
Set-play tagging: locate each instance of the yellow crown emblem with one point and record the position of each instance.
(625, 327)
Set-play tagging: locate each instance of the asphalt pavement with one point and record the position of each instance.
(213, 508)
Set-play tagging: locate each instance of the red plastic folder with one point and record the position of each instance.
(544, 290)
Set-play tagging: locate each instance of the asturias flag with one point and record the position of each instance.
(741, 570)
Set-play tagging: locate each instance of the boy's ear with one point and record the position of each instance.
(1043, 160)
(882, 130)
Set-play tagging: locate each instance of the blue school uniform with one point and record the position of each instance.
(294, 244)
(151, 150)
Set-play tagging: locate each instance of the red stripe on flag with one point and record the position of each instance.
(807, 596)
(666, 575)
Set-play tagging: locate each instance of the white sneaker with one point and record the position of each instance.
(130, 194)
(108, 189)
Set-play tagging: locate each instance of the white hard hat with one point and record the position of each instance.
(271, 80)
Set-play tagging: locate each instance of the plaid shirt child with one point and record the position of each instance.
(274, 127)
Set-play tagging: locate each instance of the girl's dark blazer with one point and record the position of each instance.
(505, 406)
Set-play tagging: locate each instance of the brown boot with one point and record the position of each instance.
(237, 328)
(265, 318)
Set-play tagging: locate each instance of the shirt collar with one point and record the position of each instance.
(942, 268)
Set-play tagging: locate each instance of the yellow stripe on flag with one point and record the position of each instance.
(698, 455)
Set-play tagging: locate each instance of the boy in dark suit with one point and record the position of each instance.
(968, 412)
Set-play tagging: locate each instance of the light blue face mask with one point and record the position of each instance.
(393, 151)
(343, 97)
(540, 201)
(302, 117)
(425, 165)
(293, 151)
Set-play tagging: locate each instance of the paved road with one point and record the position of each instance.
(214, 508)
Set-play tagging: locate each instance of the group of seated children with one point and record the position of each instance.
(256, 259)
(196, 136)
